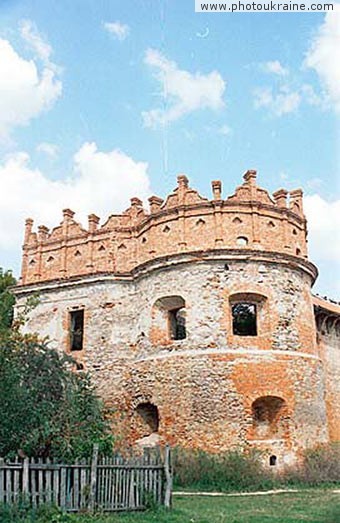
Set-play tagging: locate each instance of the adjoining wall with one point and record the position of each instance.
(327, 317)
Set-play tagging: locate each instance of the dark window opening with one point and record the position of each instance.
(244, 319)
(177, 324)
(272, 461)
(149, 414)
(76, 330)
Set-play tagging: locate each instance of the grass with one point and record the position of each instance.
(313, 506)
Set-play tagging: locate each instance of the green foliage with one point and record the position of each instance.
(228, 471)
(7, 300)
(320, 465)
(45, 408)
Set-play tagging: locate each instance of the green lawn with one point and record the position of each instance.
(314, 506)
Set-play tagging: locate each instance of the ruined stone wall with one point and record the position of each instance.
(205, 385)
(327, 317)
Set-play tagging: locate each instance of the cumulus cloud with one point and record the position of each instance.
(323, 56)
(324, 228)
(101, 182)
(117, 29)
(287, 93)
(283, 101)
(26, 90)
(183, 92)
(50, 149)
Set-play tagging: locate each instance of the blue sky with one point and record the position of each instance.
(105, 100)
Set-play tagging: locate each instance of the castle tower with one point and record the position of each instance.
(195, 319)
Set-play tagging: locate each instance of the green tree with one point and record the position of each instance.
(46, 409)
(7, 300)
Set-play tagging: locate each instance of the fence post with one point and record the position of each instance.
(168, 478)
(93, 477)
(25, 477)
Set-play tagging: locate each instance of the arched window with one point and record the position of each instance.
(272, 461)
(169, 316)
(246, 308)
(269, 415)
(148, 414)
(242, 241)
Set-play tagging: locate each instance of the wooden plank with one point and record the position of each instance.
(9, 486)
(25, 478)
(168, 478)
(131, 486)
(63, 487)
(83, 485)
(41, 490)
(93, 478)
(16, 484)
(48, 484)
(33, 483)
(76, 501)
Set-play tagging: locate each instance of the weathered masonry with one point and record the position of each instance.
(196, 319)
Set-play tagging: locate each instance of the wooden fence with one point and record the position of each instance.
(107, 483)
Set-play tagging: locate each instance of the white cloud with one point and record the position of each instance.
(225, 130)
(183, 92)
(37, 44)
(274, 67)
(117, 29)
(323, 219)
(101, 182)
(284, 101)
(25, 89)
(50, 149)
(323, 56)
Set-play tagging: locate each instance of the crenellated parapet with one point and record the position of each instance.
(185, 222)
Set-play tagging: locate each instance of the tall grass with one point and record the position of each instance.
(228, 471)
(237, 471)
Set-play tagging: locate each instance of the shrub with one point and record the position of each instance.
(226, 471)
(45, 408)
(320, 465)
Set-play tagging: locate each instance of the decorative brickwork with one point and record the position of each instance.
(159, 292)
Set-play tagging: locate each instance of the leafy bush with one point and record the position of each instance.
(6, 300)
(225, 472)
(45, 408)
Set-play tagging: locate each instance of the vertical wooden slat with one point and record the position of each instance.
(93, 478)
(83, 485)
(48, 484)
(41, 489)
(168, 477)
(76, 503)
(25, 478)
(16, 482)
(63, 487)
(33, 483)
(9, 485)
(56, 482)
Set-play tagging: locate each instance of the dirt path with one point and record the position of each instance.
(258, 493)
